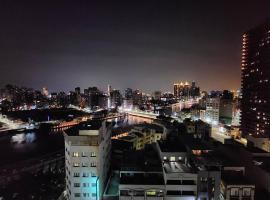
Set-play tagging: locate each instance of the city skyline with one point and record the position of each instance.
(68, 45)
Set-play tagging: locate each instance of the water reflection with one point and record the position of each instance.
(131, 120)
(23, 138)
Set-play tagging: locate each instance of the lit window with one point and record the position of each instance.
(93, 154)
(172, 159)
(234, 192)
(76, 164)
(75, 154)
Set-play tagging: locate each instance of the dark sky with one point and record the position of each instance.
(138, 44)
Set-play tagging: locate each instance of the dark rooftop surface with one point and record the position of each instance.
(121, 129)
(142, 178)
(234, 178)
(150, 126)
(142, 160)
(89, 125)
(263, 162)
(121, 145)
(137, 134)
(194, 143)
(172, 144)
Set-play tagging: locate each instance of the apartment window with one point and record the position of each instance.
(76, 164)
(93, 154)
(76, 184)
(94, 185)
(76, 174)
(85, 194)
(85, 174)
(84, 164)
(172, 159)
(75, 154)
(246, 192)
(85, 184)
(84, 154)
(77, 195)
(234, 192)
(93, 174)
(93, 164)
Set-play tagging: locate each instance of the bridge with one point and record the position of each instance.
(143, 114)
(49, 162)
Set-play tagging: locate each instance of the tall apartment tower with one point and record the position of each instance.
(255, 105)
(87, 154)
(212, 111)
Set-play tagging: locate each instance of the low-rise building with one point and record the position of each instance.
(234, 186)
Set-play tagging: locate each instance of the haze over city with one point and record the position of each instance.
(135, 100)
(122, 43)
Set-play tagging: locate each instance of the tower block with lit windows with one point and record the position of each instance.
(186, 90)
(87, 154)
(255, 105)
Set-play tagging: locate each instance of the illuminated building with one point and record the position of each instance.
(137, 97)
(143, 134)
(226, 107)
(211, 113)
(185, 90)
(87, 153)
(115, 98)
(255, 105)
(45, 91)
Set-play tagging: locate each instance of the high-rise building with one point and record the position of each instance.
(128, 93)
(185, 90)
(157, 95)
(45, 91)
(87, 153)
(78, 90)
(255, 105)
(211, 114)
(115, 98)
(137, 97)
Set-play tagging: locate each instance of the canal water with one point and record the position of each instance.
(20, 146)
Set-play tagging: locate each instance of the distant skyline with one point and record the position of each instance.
(147, 45)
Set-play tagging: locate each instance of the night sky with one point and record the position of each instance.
(138, 44)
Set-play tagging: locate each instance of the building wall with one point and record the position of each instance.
(87, 164)
(255, 105)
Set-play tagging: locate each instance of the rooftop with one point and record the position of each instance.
(141, 178)
(172, 144)
(175, 167)
(230, 177)
(150, 126)
(89, 125)
(142, 160)
(138, 134)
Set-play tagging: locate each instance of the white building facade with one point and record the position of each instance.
(87, 154)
